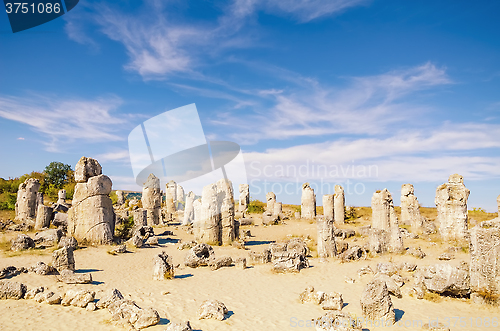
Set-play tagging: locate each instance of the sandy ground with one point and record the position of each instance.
(257, 298)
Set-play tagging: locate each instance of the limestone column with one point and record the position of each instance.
(308, 202)
(328, 206)
(244, 198)
(339, 202)
(270, 200)
(151, 199)
(189, 209)
(26, 204)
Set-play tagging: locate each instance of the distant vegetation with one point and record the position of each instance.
(55, 176)
(256, 207)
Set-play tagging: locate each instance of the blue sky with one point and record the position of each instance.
(407, 89)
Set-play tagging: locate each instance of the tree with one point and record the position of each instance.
(57, 174)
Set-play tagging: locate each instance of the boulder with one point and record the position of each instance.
(128, 311)
(78, 298)
(48, 238)
(68, 242)
(22, 242)
(200, 255)
(212, 309)
(376, 303)
(41, 268)
(163, 267)
(223, 261)
(87, 168)
(12, 290)
(184, 326)
(447, 280)
(63, 259)
(43, 217)
(337, 321)
(70, 277)
(109, 297)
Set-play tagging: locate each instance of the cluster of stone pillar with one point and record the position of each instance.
(151, 200)
(384, 235)
(307, 202)
(451, 202)
(91, 218)
(216, 224)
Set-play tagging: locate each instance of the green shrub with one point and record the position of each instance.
(8, 201)
(350, 214)
(113, 197)
(256, 207)
(124, 230)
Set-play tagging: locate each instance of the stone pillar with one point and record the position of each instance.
(140, 217)
(91, 218)
(384, 233)
(484, 261)
(308, 202)
(226, 209)
(278, 209)
(326, 238)
(410, 209)
(61, 197)
(451, 202)
(244, 198)
(197, 215)
(180, 196)
(26, 204)
(171, 197)
(339, 203)
(328, 207)
(151, 199)
(43, 217)
(209, 226)
(189, 209)
(270, 200)
(121, 198)
(498, 203)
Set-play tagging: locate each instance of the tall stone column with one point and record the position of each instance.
(180, 197)
(270, 200)
(26, 204)
(209, 227)
(244, 198)
(384, 233)
(151, 199)
(278, 209)
(170, 198)
(326, 238)
(189, 209)
(91, 218)
(451, 201)
(339, 202)
(410, 209)
(226, 201)
(308, 202)
(328, 206)
(43, 217)
(121, 198)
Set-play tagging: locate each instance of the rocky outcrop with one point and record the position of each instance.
(163, 267)
(244, 198)
(212, 309)
(339, 204)
(151, 200)
(27, 200)
(376, 303)
(384, 235)
(308, 202)
(451, 201)
(189, 209)
(485, 261)
(410, 209)
(91, 218)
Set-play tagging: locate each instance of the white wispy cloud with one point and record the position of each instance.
(367, 106)
(66, 120)
(115, 156)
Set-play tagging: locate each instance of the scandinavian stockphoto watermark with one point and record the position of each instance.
(288, 178)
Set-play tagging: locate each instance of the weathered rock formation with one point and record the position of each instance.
(43, 217)
(199, 255)
(91, 217)
(410, 209)
(339, 204)
(485, 261)
(451, 202)
(376, 303)
(447, 280)
(151, 200)
(225, 198)
(120, 198)
(326, 237)
(163, 267)
(27, 200)
(245, 198)
(384, 235)
(61, 197)
(171, 197)
(328, 207)
(213, 309)
(270, 200)
(308, 202)
(189, 209)
(278, 209)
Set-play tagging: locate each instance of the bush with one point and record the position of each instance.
(8, 201)
(350, 214)
(113, 197)
(124, 230)
(256, 207)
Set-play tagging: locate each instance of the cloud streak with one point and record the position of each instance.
(66, 120)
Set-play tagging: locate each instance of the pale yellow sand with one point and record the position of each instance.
(257, 298)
